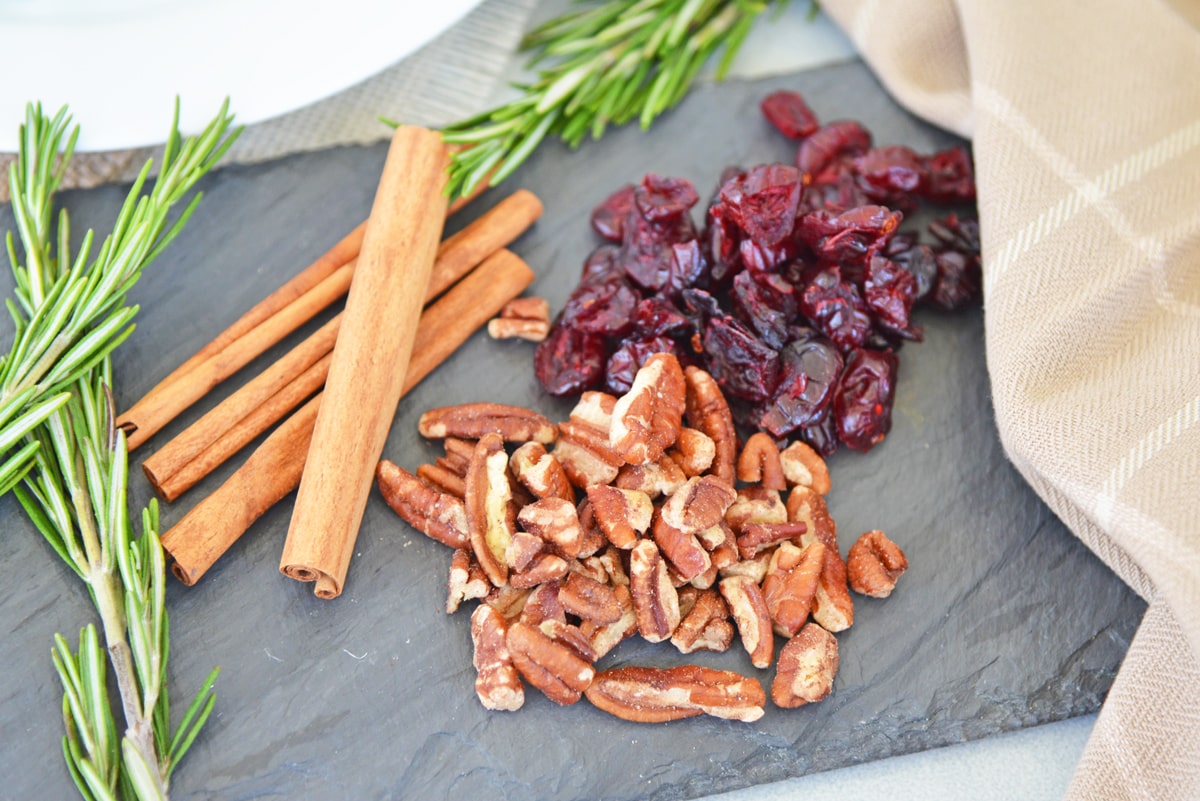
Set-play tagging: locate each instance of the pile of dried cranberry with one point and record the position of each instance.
(795, 292)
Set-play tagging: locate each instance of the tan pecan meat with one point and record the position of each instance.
(458, 454)
(497, 682)
(466, 582)
(699, 504)
(646, 420)
(706, 625)
(491, 518)
(655, 695)
(542, 604)
(655, 599)
(614, 565)
(606, 637)
(806, 505)
(804, 467)
(693, 451)
(446, 480)
(551, 666)
(726, 554)
(755, 504)
(591, 567)
(595, 409)
(571, 636)
(436, 514)
(593, 537)
(757, 536)
(832, 605)
(515, 328)
(708, 411)
(759, 462)
(585, 455)
(529, 307)
(874, 563)
(661, 477)
(791, 583)
(522, 548)
(749, 610)
(508, 601)
(588, 599)
(623, 515)
(542, 568)
(556, 522)
(540, 473)
(473, 420)
(685, 553)
(807, 666)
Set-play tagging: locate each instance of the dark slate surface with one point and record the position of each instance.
(1004, 621)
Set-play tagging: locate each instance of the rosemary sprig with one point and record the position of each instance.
(603, 65)
(68, 464)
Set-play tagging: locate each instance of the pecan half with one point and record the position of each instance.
(606, 637)
(791, 584)
(540, 473)
(466, 581)
(661, 477)
(436, 514)
(874, 563)
(497, 682)
(443, 478)
(516, 328)
(681, 548)
(706, 626)
(542, 568)
(542, 604)
(623, 515)
(749, 609)
(708, 411)
(551, 666)
(807, 666)
(646, 420)
(755, 504)
(556, 522)
(759, 462)
(804, 467)
(588, 599)
(832, 605)
(655, 599)
(755, 537)
(529, 307)
(585, 455)
(655, 695)
(693, 451)
(806, 505)
(491, 518)
(473, 420)
(699, 504)
(594, 408)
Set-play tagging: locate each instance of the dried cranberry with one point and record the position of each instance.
(688, 267)
(890, 292)
(602, 263)
(763, 202)
(808, 376)
(631, 355)
(837, 139)
(891, 174)
(862, 406)
(766, 303)
(662, 199)
(760, 258)
(852, 235)
(658, 316)
(569, 361)
(788, 112)
(836, 309)
(955, 233)
(608, 219)
(646, 251)
(721, 242)
(951, 176)
(822, 437)
(958, 283)
(602, 305)
(742, 364)
(699, 307)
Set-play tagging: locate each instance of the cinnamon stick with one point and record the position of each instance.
(215, 523)
(370, 360)
(494, 229)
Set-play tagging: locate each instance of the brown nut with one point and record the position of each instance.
(832, 605)
(540, 473)
(606, 637)
(458, 454)
(529, 307)
(755, 504)
(595, 409)
(491, 518)
(466, 581)
(542, 604)
(473, 420)
(708, 411)
(551, 666)
(661, 477)
(699, 504)
(807, 666)
(803, 466)
(593, 538)
(706, 625)
(759, 463)
(806, 505)
(442, 478)
(614, 565)
(514, 328)
(685, 553)
(585, 455)
(874, 563)
(591, 567)
(655, 599)
(693, 451)
(436, 514)
(556, 522)
(497, 682)
(623, 515)
(646, 420)
(522, 548)
(655, 695)
(749, 610)
(790, 585)
(588, 599)
(542, 568)
(756, 537)
(754, 569)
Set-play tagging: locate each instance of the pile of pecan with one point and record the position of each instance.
(641, 515)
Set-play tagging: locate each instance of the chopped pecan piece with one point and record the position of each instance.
(497, 682)
(806, 505)
(874, 563)
(646, 420)
(542, 604)
(655, 599)
(791, 583)
(508, 601)
(542, 568)
(516, 328)
(706, 625)
(466, 582)
(458, 454)
(754, 569)
(591, 567)
(551, 666)
(615, 567)
(571, 636)
(593, 537)
(693, 451)
(757, 536)
(473, 420)
(595, 409)
(604, 638)
(585, 456)
(588, 599)
(623, 515)
(708, 411)
(699, 504)
(444, 479)
(807, 666)
(540, 473)
(436, 514)
(661, 477)
(522, 548)
(556, 522)
(755, 504)
(491, 518)
(685, 553)
(759, 462)
(749, 609)
(529, 307)
(832, 605)
(655, 695)
(804, 467)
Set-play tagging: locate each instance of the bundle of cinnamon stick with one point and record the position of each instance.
(366, 358)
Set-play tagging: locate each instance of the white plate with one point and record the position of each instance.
(120, 64)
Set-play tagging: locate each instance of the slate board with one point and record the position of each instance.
(1004, 621)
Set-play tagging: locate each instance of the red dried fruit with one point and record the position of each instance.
(629, 357)
(788, 112)
(568, 361)
(951, 176)
(851, 236)
(743, 365)
(808, 377)
(766, 303)
(836, 309)
(837, 139)
(890, 174)
(863, 404)
(763, 202)
(608, 219)
(890, 292)
(662, 199)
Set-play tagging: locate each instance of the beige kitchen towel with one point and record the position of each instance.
(1085, 122)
